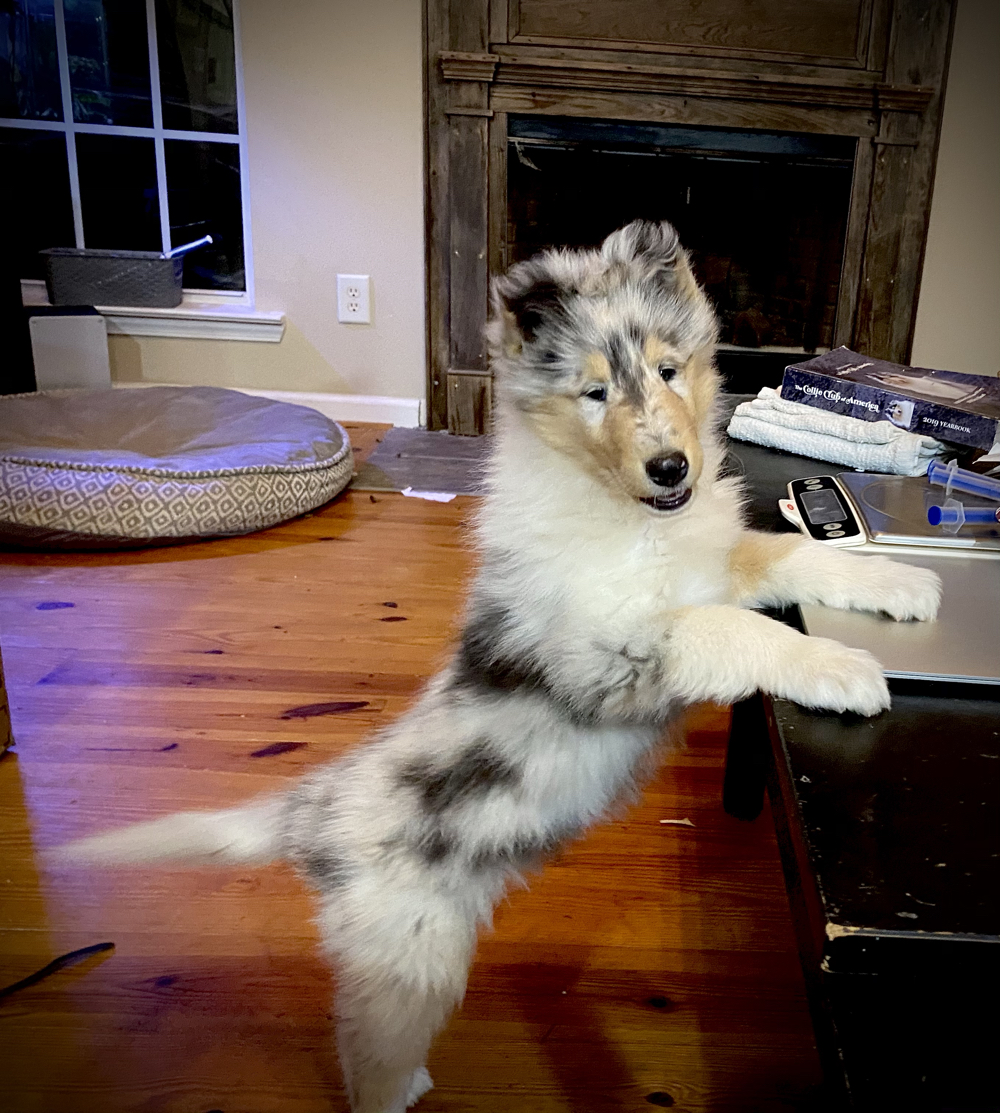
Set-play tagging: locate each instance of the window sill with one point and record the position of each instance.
(196, 318)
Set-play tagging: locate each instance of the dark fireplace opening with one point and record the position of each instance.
(763, 214)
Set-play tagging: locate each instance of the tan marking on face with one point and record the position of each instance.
(618, 445)
(698, 374)
(596, 368)
(674, 417)
(559, 422)
(704, 380)
(656, 352)
(615, 450)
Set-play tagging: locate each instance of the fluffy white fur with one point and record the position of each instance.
(596, 617)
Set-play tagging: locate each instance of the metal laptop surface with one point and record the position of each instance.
(963, 644)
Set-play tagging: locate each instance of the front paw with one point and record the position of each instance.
(901, 591)
(832, 677)
(905, 592)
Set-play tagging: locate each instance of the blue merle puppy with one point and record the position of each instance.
(617, 585)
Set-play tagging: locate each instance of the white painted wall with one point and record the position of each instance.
(334, 113)
(958, 314)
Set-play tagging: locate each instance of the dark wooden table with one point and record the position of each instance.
(890, 842)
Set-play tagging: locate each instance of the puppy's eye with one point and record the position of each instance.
(596, 393)
(667, 373)
(548, 356)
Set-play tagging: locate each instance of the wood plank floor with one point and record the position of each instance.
(651, 965)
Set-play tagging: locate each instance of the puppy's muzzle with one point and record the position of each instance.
(668, 471)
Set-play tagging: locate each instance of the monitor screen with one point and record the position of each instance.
(823, 506)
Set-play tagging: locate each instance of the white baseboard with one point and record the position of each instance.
(408, 413)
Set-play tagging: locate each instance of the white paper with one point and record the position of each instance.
(430, 496)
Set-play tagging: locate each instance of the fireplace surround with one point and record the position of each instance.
(683, 93)
(762, 215)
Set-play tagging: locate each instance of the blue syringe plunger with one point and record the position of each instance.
(952, 515)
(953, 478)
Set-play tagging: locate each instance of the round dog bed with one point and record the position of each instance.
(106, 469)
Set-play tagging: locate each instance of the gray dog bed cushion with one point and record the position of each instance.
(159, 465)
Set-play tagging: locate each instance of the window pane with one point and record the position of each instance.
(203, 191)
(109, 62)
(34, 185)
(29, 68)
(118, 192)
(197, 64)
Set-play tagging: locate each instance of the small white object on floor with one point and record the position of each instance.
(430, 496)
(678, 822)
(877, 446)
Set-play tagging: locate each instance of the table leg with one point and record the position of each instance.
(747, 759)
(6, 734)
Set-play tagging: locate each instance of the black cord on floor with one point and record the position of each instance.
(60, 963)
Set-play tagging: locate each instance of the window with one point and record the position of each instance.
(120, 127)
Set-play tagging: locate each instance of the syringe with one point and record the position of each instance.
(953, 478)
(954, 514)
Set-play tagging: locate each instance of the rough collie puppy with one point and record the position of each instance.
(617, 586)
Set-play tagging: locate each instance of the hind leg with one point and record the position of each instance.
(384, 1033)
(420, 1083)
(400, 973)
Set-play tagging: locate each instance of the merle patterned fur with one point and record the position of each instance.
(475, 772)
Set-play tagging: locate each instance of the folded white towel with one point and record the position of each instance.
(877, 446)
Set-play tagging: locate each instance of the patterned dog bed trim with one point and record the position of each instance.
(47, 500)
(171, 473)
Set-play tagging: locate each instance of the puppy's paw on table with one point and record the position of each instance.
(902, 591)
(833, 677)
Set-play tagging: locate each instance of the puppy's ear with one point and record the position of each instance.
(525, 297)
(653, 246)
(650, 252)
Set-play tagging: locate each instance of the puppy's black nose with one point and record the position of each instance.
(669, 470)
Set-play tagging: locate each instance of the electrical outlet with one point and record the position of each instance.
(354, 304)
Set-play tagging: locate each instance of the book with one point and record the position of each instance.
(947, 405)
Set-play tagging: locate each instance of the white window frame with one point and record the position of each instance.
(213, 307)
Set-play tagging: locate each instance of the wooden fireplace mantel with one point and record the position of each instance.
(873, 70)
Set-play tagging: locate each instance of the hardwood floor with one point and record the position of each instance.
(651, 965)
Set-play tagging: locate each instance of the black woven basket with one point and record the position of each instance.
(89, 276)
